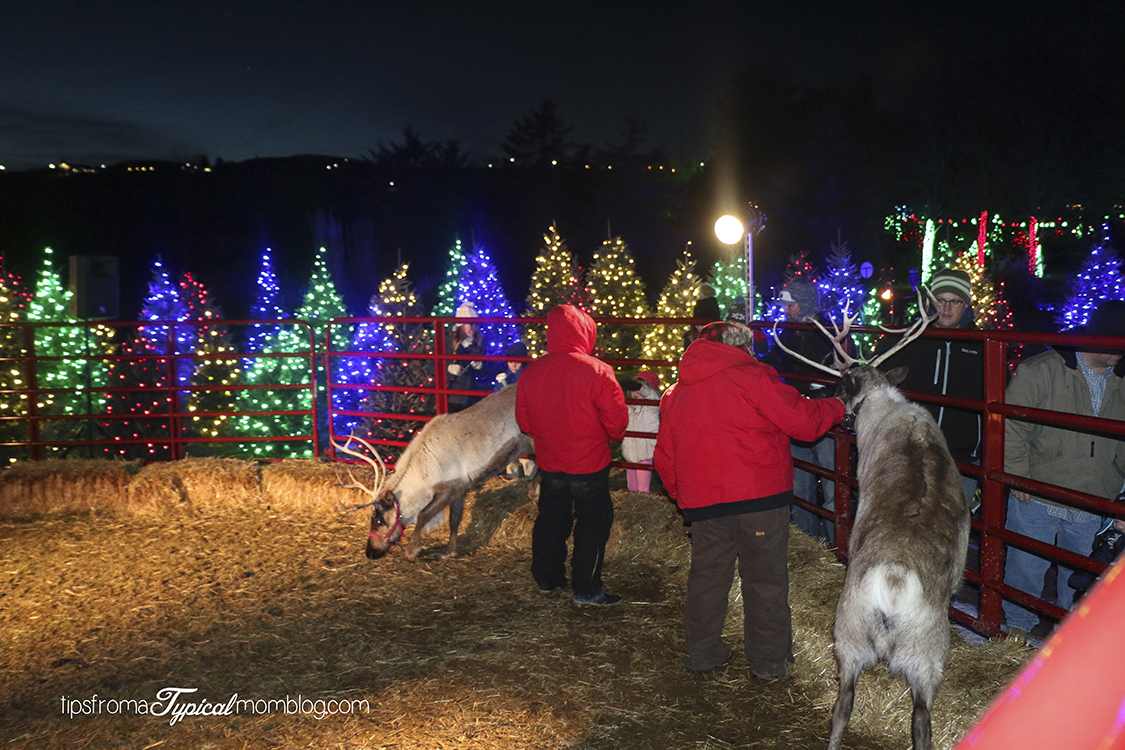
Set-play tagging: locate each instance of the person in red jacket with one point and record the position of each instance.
(571, 404)
(723, 454)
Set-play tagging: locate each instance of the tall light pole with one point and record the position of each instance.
(730, 229)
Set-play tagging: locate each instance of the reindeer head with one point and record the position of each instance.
(386, 525)
(856, 382)
(386, 514)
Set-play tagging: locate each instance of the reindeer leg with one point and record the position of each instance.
(456, 509)
(445, 493)
(849, 671)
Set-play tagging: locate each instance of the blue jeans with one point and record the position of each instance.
(1025, 571)
(804, 487)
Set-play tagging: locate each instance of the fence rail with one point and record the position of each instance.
(139, 389)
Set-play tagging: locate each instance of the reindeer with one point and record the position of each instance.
(451, 455)
(907, 548)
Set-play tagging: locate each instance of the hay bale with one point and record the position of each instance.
(195, 483)
(64, 486)
(309, 484)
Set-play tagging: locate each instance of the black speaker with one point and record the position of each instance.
(94, 285)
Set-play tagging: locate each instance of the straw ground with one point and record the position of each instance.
(118, 581)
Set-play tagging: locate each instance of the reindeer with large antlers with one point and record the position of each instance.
(450, 456)
(907, 548)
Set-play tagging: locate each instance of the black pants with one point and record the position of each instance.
(578, 502)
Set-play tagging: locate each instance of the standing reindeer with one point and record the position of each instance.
(450, 456)
(907, 548)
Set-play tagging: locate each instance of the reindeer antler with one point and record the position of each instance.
(842, 359)
(380, 474)
(911, 332)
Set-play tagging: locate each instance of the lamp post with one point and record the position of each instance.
(730, 229)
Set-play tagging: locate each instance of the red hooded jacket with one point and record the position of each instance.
(725, 428)
(569, 402)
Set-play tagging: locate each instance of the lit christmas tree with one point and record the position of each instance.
(265, 306)
(215, 376)
(13, 399)
(729, 279)
(481, 286)
(285, 377)
(146, 405)
(322, 303)
(677, 300)
(840, 286)
(990, 308)
(1099, 279)
(450, 289)
(396, 298)
(615, 291)
(799, 267)
(557, 280)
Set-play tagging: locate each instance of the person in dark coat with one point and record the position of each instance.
(801, 303)
(465, 374)
(949, 367)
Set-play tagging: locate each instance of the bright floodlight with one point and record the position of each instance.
(729, 230)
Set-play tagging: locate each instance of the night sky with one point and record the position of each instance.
(101, 82)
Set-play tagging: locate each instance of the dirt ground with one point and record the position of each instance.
(279, 604)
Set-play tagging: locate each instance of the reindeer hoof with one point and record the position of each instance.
(413, 552)
(448, 554)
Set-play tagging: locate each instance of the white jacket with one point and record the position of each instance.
(642, 418)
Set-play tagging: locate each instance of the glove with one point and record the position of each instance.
(466, 343)
(476, 364)
(454, 370)
(502, 378)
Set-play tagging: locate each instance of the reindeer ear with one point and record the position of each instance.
(387, 499)
(897, 375)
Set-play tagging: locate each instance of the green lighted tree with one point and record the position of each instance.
(78, 369)
(450, 289)
(615, 291)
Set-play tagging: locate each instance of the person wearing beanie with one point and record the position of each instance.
(705, 308)
(723, 454)
(801, 302)
(642, 418)
(573, 408)
(1072, 381)
(949, 367)
(465, 374)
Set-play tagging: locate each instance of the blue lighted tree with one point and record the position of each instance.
(265, 306)
(144, 371)
(840, 285)
(481, 286)
(1099, 279)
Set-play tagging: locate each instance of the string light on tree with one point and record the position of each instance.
(556, 280)
(615, 291)
(677, 300)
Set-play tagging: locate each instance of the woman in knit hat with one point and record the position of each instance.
(464, 373)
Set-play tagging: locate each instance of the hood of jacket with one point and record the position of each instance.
(705, 358)
(570, 330)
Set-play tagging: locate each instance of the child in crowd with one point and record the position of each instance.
(642, 418)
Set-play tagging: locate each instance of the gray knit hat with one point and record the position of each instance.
(801, 292)
(952, 282)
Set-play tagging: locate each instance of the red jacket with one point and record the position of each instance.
(569, 402)
(725, 428)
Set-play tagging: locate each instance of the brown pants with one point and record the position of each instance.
(759, 542)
